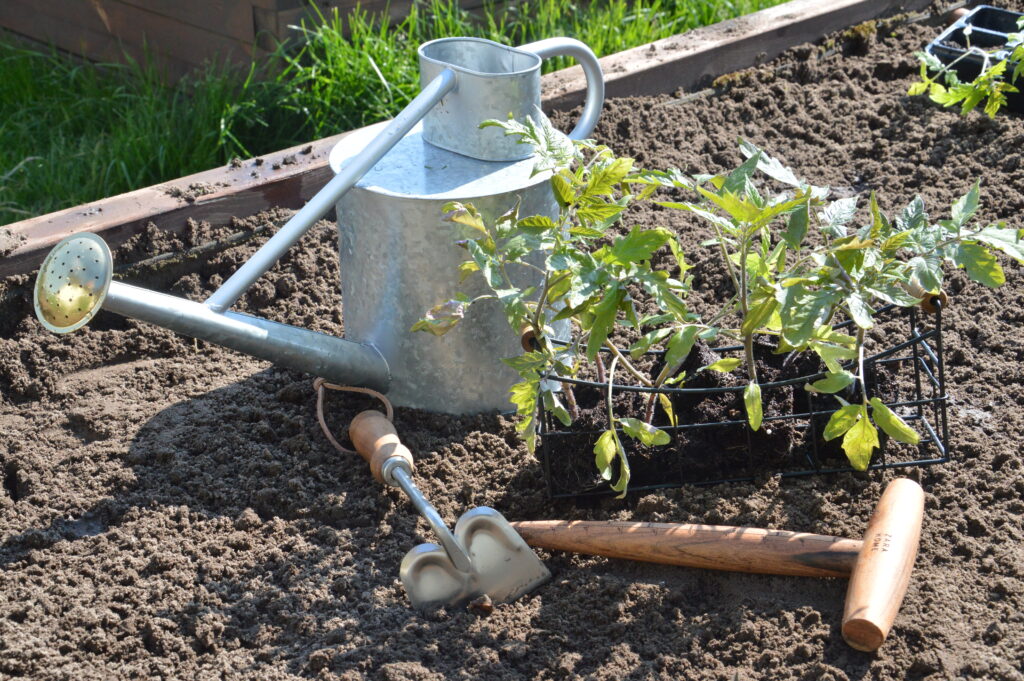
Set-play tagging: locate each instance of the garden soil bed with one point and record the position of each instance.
(169, 509)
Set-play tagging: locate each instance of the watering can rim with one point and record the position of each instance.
(350, 146)
(484, 74)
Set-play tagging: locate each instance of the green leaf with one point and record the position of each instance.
(836, 215)
(796, 227)
(536, 223)
(892, 424)
(980, 264)
(879, 223)
(604, 177)
(737, 208)
(648, 340)
(736, 181)
(802, 311)
(722, 222)
(927, 270)
(644, 432)
(442, 318)
(918, 88)
(597, 211)
(770, 166)
(679, 346)
(561, 184)
(725, 365)
(913, 216)
(487, 264)
(833, 382)
(514, 306)
(467, 268)
(752, 401)
(464, 214)
(1008, 241)
(860, 441)
(758, 314)
(860, 311)
(831, 354)
(606, 449)
(639, 245)
(554, 406)
(841, 421)
(524, 396)
(892, 294)
(527, 362)
(967, 205)
(604, 320)
(666, 404)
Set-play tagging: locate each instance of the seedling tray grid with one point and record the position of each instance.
(917, 360)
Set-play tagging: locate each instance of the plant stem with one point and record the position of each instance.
(860, 367)
(608, 394)
(629, 367)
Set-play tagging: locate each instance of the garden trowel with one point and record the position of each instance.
(483, 557)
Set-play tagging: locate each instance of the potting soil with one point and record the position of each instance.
(170, 509)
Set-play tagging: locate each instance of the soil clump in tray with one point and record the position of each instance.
(170, 509)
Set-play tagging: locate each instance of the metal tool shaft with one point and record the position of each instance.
(324, 200)
(451, 545)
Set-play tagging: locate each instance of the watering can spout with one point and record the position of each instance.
(74, 282)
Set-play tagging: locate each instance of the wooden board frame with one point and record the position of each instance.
(288, 178)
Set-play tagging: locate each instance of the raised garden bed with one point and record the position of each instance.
(171, 509)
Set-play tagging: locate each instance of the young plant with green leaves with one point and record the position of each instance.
(796, 288)
(581, 278)
(1001, 66)
(797, 264)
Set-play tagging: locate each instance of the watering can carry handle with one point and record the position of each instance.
(569, 47)
(377, 441)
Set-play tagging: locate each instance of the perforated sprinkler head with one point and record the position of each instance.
(72, 282)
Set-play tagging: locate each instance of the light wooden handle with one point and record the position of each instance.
(377, 441)
(927, 299)
(882, 573)
(739, 549)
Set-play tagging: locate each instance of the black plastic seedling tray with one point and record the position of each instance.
(986, 27)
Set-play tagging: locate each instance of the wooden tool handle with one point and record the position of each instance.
(882, 573)
(377, 441)
(739, 549)
(927, 299)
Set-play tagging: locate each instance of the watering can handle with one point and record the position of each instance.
(377, 441)
(569, 47)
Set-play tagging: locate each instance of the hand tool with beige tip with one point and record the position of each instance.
(878, 566)
(483, 556)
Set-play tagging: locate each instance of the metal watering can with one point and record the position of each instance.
(397, 256)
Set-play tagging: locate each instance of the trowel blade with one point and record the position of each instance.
(504, 567)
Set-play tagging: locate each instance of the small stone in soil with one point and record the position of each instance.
(482, 606)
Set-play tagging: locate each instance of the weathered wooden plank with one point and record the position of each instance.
(136, 27)
(286, 178)
(691, 61)
(231, 18)
(21, 17)
(396, 10)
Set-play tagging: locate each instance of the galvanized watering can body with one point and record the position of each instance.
(398, 257)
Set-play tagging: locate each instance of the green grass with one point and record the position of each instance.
(71, 132)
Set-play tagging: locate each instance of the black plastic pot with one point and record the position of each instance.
(988, 28)
(725, 450)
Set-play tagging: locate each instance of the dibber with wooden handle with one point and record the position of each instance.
(879, 566)
(377, 441)
(880, 578)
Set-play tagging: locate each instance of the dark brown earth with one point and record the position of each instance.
(171, 510)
